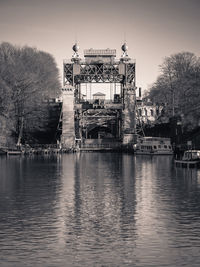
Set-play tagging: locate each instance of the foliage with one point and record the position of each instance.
(178, 87)
(27, 78)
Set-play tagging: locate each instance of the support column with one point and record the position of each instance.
(68, 130)
(129, 122)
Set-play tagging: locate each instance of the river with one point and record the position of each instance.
(98, 209)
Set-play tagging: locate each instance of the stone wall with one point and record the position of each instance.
(128, 115)
(68, 129)
(129, 111)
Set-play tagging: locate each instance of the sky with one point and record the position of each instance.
(153, 29)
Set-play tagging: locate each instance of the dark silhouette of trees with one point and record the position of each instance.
(28, 77)
(178, 87)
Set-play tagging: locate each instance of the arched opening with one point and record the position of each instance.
(100, 132)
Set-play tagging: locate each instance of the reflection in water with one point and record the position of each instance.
(103, 207)
(98, 209)
(27, 204)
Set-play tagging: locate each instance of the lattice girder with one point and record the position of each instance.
(98, 73)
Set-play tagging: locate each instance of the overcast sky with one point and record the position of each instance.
(153, 28)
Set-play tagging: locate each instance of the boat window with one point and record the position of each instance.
(170, 147)
(155, 147)
(159, 146)
(165, 146)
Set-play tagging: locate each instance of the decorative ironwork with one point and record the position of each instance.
(100, 66)
(99, 73)
(68, 73)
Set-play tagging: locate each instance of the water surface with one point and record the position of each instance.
(98, 209)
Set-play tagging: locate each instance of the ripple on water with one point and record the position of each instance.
(98, 209)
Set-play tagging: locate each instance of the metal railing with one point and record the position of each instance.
(108, 145)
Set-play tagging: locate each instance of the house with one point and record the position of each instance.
(99, 95)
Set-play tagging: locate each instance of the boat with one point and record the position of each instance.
(149, 145)
(2, 151)
(14, 152)
(191, 158)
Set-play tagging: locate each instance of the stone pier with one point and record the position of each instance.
(68, 133)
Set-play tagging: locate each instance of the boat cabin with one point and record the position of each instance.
(154, 145)
(191, 155)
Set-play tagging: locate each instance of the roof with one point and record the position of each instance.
(99, 94)
(192, 151)
(99, 52)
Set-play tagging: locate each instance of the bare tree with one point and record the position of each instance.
(28, 77)
(178, 84)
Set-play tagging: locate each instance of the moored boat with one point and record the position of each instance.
(14, 152)
(191, 158)
(153, 146)
(2, 151)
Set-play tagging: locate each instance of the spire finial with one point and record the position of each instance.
(75, 49)
(125, 49)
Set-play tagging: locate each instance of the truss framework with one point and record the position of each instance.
(120, 71)
(98, 73)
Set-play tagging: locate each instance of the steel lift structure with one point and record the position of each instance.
(98, 123)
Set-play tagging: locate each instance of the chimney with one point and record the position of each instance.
(140, 92)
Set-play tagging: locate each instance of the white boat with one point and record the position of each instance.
(153, 146)
(191, 158)
(14, 152)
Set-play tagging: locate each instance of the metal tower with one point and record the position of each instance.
(98, 122)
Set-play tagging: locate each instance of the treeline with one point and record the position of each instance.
(28, 79)
(178, 89)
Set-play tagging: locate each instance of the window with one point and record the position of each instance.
(155, 147)
(165, 146)
(152, 113)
